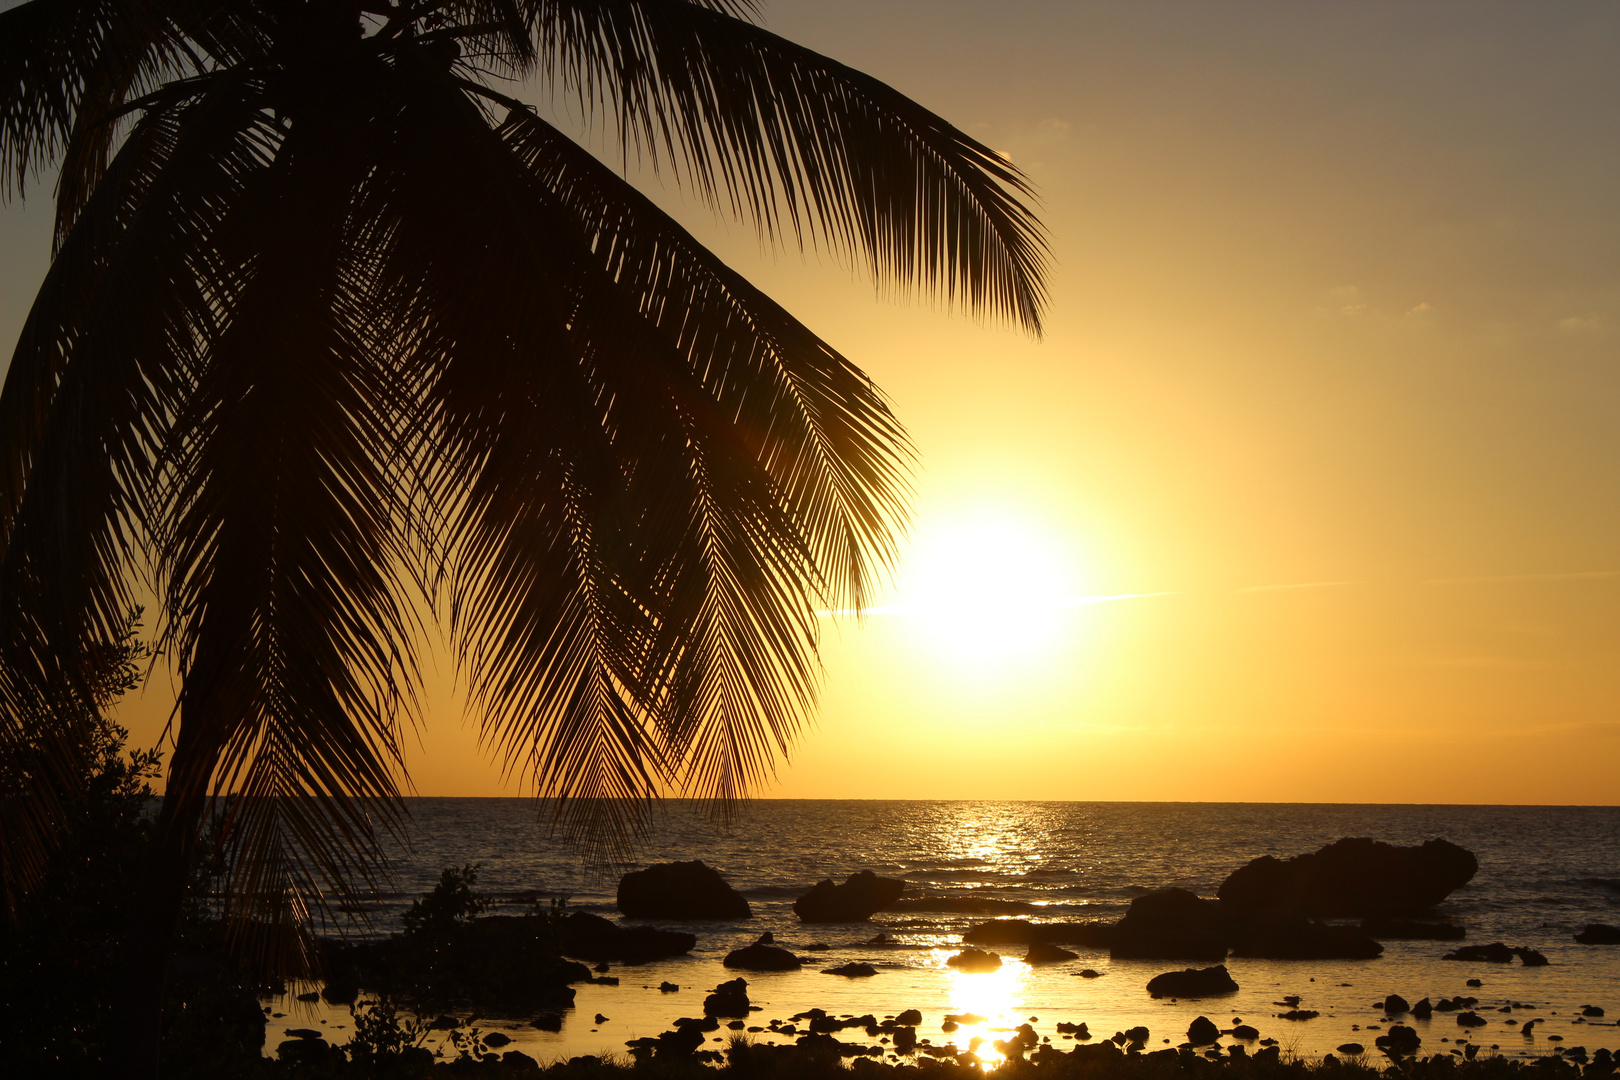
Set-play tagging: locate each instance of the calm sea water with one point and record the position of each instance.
(1545, 872)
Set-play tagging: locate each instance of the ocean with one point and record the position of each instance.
(1545, 873)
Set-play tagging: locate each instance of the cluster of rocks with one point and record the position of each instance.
(693, 890)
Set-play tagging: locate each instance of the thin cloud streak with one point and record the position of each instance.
(1300, 585)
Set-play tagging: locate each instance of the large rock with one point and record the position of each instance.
(728, 999)
(762, 957)
(1599, 934)
(1194, 982)
(1354, 876)
(681, 890)
(591, 937)
(1291, 936)
(853, 901)
(1170, 924)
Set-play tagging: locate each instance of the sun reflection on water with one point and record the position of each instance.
(998, 996)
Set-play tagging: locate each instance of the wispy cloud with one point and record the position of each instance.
(1297, 585)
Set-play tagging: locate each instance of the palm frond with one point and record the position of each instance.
(805, 145)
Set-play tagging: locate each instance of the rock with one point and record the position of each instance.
(518, 1061)
(1202, 1031)
(1395, 1005)
(1475, 982)
(1494, 953)
(727, 999)
(445, 1023)
(1470, 1019)
(1299, 1014)
(591, 937)
(1423, 1009)
(1193, 982)
(905, 1040)
(1291, 936)
(1599, 934)
(1244, 1031)
(762, 958)
(547, 1022)
(1090, 973)
(311, 996)
(1592, 1012)
(1399, 1040)
(311, 1033)
(1352, 1048)
(1354, 876)
(1170, 924)
(1412, 930)
(1530, 957)
(1044, 952)
(851, 971)
(854, 901)
(975, 960)
(599, 1019)
(667, 988)
(680, 890)
(340, 993)
(495, 1038)
(909, 1018)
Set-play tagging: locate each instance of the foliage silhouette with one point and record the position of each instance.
(337, 330)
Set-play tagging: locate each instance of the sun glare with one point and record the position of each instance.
(987, 592)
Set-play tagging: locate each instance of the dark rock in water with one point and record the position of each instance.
(1530, 957)
(1470, 1019)
(495, 1038)
(1244, 1031)
(1592, 1012)
(1599, 934)
(854, 901)
(1475, 982)
(728, 999)
(1494, 953)
(599, 1019)
(1194, 982)
(1090, 973)
(1354, 876)
(1202, 1031)
(1170, 924)
(667, 988)
(445, 1023)
(909, 1018)
(311, 996)
(310, 1033)
(1423, 1009)
(762, 958)
(1412, 930)
(555, 997)
(680, 890)
(975, 960)
(1400, 1040)
(1291, 936)
(1352, 1048)
(591, 937)
(1395, 1005)
(1299, 1014)
(340, 993)
(517, 1061)
(851, 971)
(547, 1022)
(905, 1040)
(1044, 952)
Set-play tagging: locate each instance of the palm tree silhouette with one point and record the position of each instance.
(337, 331)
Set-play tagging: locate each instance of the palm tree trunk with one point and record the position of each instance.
(137, 1031)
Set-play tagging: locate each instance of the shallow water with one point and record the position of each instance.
(1545, 872)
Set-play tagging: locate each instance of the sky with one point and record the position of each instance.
(1308, 493)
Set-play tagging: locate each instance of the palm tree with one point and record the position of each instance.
(339, 330)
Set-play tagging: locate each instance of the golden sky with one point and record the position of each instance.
(1328, 400)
